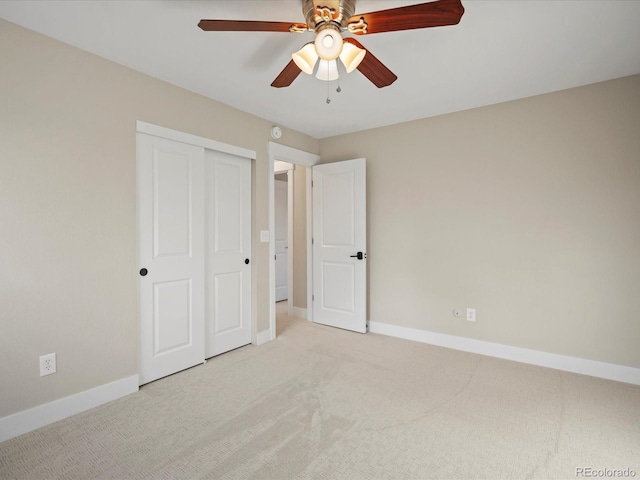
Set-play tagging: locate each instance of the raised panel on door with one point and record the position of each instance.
(228, 268)
(338, 209)
(282, 284)
(171, 248)
(281, 193)
(338, 286)
(339, 233)
(227, 302)
(172, 192)
(172, 316)
(228, 203)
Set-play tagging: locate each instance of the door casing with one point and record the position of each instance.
(278, 152)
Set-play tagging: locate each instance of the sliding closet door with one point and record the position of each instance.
(228, 252)
(171, 252)
(194, 249)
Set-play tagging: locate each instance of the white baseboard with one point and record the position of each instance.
(264, 337)
(36, 417)
(299, 312)
(610, 371)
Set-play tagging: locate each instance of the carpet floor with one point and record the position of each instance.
(323, 403)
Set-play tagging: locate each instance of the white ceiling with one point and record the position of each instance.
(501, 50)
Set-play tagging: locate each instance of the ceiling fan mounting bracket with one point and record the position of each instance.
(321, 14)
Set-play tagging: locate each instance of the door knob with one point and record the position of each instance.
(143, 272)
(359, 255)
(246, 261)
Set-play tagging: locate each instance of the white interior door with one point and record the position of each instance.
(281, 213)
(171, 254)
(339, 244)
(228, 252)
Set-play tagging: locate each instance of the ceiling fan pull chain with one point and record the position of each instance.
(328, 93)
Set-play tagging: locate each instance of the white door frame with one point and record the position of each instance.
(306, 159)
(183, 137)
(288, 168)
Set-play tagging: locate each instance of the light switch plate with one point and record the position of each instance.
(264, 235)
(471, 314)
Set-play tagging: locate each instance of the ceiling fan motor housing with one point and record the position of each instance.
(321, 14)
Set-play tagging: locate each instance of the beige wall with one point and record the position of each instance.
(68, 268)
(528, 211)
(300, 237)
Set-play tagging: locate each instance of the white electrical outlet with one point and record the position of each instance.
(47, 364)
(471, 314)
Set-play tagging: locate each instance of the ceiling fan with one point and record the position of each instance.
(328, 19)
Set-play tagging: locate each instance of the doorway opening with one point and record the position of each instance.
(283, 203)
(293, 163)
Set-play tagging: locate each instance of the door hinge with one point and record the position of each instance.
(313, 298)
(311, 240)
(311, 183)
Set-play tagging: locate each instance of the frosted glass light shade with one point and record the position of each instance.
(351, 56)
(327, 70)
(306, 58)
(328, 44)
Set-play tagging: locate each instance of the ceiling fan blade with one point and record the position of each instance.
(287, 76)
(372, 68)
(250, 26)
(433, 14)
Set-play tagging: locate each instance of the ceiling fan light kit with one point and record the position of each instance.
(328, 44)
(306, 58)
(328, 18)
(351, 56)
(327, 47)
(327, 70)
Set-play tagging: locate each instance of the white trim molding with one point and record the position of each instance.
(299, 312)
(281, 167)
(263, 337)
(42, 415)
(288, 154)
(150, 129)
(310, 244)
(610, 371)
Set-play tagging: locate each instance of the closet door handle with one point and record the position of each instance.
(246, 261)
(143, 272)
